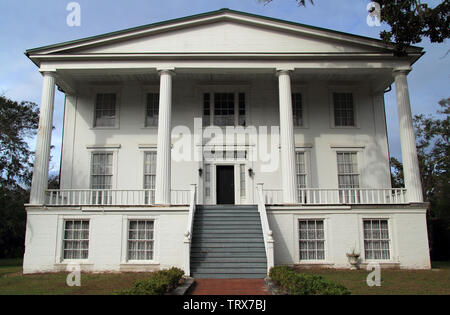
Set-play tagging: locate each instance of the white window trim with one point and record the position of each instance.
(305, 104)
(106, 89)
(308, 168)
(156, 236)
(225, 88)
(59, 259)
(392, 244)
(106, 149)
(144, 91)
(356, 101)
(327, 243)
(359, 157)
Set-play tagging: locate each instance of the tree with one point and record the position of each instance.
(18, 121)
(409, 21)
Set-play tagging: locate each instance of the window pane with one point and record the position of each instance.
(311, 240)
(224, 109)
(343, 109)
(376, 239)
(76, 239)
(105, 110)
(297, 109)
(152, 112)
(140, 239)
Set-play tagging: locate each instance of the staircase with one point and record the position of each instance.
(228, 243)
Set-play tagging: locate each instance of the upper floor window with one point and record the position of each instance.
(152, 110)
(102, 170)
(348, 176)
(344, 110)
(297, 109)
(224, 109)
(149, 176)
(105, 110)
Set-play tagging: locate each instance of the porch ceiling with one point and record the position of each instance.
(378, 79)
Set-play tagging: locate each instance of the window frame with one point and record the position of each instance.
(326, 232)
(356, 101)
(129, 220)
(60, 240)
(392, 238)
(156, 237)
(144, 91)
(145, 151)
(106, 90)
(301, 89)
(224, 88)
(112, 148)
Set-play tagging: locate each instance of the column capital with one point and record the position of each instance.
(167, 70)
(281, 71)
(401, 71)
(49, 73)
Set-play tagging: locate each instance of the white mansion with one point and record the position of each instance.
(224, 143)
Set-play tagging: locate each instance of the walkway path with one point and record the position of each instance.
(229, 287)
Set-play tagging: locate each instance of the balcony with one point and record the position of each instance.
(354, 196)
(110, 197)
(146, 197)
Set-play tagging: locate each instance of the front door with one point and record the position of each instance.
(225, 184)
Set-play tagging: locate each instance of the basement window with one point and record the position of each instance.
(141, 240)
(312, 239)
(76, 239)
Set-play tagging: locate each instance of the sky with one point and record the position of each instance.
(26, 24)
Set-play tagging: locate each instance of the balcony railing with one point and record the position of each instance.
(307, 196)
(319, 196)
(105, 197)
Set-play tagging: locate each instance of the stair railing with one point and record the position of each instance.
(188, 233)
(267, 232)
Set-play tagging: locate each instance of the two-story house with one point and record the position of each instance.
(224, 143)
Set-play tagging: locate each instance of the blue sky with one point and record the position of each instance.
(30, 24)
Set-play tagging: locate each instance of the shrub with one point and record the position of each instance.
(159, 283)
(294, 283)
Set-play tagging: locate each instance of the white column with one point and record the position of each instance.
(44, 135)
(408, 140)
(287, 138)
(163, 158)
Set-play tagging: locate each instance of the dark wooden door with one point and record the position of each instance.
(225, 184)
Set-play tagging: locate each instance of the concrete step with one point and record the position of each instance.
(231, 270)
(236, 240)
(226, 207)
(227, 233)
(219, 260)
(227, 215)
(218, 245)
(228, 229)
(228, 254)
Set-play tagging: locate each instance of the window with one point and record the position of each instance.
(141, 240)
(376, 239)
(344, 112)
(152, 110)
(241, 119)
(105, 110)
(297, 109)
(101, 177)
(242, 179)
(207, 180)
(206, 110)
(312, 239)
(224, 109)
(149, 176)
(300, 166)
(348, 176)
(76, 239)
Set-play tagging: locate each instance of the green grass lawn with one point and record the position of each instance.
(435, 281)
(13, 282)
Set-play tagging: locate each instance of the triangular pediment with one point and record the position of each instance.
(222, 31)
